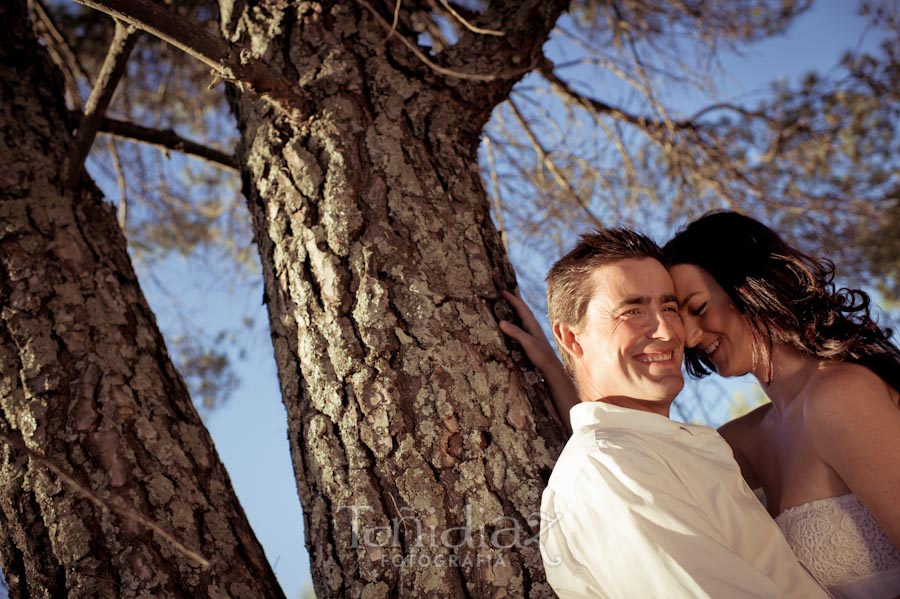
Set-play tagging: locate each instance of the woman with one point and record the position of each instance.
(826, 450)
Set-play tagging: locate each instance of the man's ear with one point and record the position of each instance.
(567, 338)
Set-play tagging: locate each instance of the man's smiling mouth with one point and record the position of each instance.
(662, 357)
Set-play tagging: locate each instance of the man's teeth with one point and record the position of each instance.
(713, 347)
(656, 357)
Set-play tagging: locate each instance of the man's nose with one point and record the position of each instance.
(667, 326)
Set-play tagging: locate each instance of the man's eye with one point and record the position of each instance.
(699, 309)
(632, 312)
(672, 308)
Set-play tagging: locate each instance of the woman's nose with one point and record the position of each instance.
(692, 333)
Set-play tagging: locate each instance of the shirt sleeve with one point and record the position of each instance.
(637, 533)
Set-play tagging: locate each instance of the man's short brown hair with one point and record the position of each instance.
(569, 287)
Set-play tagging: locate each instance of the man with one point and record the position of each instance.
(640, 506)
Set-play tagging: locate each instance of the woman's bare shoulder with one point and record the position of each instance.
(838, 387)
(846, 399)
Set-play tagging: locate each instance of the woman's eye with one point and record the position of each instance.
(699, 309)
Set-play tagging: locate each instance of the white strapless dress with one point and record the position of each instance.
(843, 547)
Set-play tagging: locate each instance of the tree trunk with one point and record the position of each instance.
(420, 450)
(89, 398)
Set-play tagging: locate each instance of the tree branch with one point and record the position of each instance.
(168, 139)
(417, 52)
(60, 52)
(122, 212)
(229, 63)
(733, 108)
(565, 91)
(465, 23)
(525, 26)
(547, 161)
(123, 511)
(111, 72)
(397, 4)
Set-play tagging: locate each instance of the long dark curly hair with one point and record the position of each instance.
(785, 295)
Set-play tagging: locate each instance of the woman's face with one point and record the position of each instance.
(713, 325)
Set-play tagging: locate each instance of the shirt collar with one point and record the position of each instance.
(599, 413)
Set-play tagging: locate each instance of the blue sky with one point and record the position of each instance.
(250, 430)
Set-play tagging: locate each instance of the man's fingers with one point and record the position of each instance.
(514, 332)
(513, 299)
(522, 309)
(529, 342)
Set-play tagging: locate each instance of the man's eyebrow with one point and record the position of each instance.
(687, 299)
(637, 300)
(668, 299)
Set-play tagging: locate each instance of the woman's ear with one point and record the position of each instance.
(567, 338)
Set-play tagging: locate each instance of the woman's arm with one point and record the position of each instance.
(742, 434)
(542, 355)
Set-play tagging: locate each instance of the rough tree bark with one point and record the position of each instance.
(86, 386)
(420, 451)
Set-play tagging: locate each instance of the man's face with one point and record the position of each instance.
(632, 339)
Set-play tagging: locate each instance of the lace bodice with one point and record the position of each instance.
(843, 546)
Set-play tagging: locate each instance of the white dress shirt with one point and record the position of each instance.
(640, 506)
